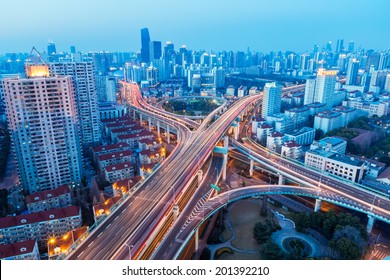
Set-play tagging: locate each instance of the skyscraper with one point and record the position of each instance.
(51, 48)
(352, 72)
(272, 100)
(351, 46)
(340, 45)
(325, 87)
(83, 74)
(155, 51)
(310, 91)
(145, 40)
(42, 119)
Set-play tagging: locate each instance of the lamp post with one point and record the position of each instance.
(130, 247)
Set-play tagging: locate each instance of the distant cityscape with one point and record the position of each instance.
(74, 147)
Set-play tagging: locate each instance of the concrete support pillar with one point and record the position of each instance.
(200, 176)
(317, 206)
(175, 210)
(133, 114)
(150, 123)
(158, 128)
(224, 167)
(197, 240)
(236, 130)
(226, 142)
(251, 168)
(140, 118)
(167, 135)
(281, 180)
(370, 223)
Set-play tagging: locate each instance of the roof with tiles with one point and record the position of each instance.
(39, 196)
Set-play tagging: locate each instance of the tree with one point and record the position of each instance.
(348, 250)
(351, 233)
(271, 251)
(302, 221)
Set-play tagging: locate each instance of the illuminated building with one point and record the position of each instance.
(42, 120)
(272, 99)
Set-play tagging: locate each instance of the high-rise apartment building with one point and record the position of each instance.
(83, 74)
(145, 40)
(272, 100)
(310, 91)
(352, 72)
(325, 87)
(43, 123)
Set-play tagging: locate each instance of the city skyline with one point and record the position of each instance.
(290, 26)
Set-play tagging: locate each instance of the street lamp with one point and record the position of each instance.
(130, 247)
(373, 203)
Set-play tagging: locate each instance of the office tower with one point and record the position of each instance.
(341, 62)
(51, 48)
(145, 40)
(329, 47)
(384, 61)
(387, 83)
(351, 46)
(272, 99)
(239, 60)
(315, 48)
(352, 72)
(72, 49)
(303, 63)
(219, 77)
(325, 87)
(152, 76)
(169, 50)
(51, 51)
(373, 60)
(83, 74)
(42, 119)
(340, 45)
(155, 50)
(310, 91)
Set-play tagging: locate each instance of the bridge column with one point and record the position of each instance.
(370, 223)
(197, 240)
(317, 206)
(175, 211)
(133, 114)
(251, 168)
(140, 118)
(226, 142)
(150, 123)
(200, 176)
(236, 130)
(158, 128)
(224, 167)
(281, 180)
(167, 135)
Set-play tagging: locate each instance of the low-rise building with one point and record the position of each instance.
(304, 136)
(150, 156)
(330, 144)
(275, 141)
(340, 165)
(241, 91)
(123, 186)
(230, 91)
(115, 158)
(327, 121)
(256, 122)
(115, 132)
(372, 108)
(24, 250)
(316, 108)
(149, 144)
(291, 149)
(40, 225)
(51, 199)
(120, 171)
(263, 131)
(105, 207)
(133, 138)
(57, 245)
(108, 149)
(109, 110)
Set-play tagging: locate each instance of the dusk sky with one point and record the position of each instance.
(210, 25)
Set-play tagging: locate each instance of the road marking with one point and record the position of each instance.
(80, 254)
(90, 244)
(108, 226)
(116, 218)
(100, 234)
(124, 210)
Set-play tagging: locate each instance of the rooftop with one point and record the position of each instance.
(16, 249)
(328, 114)
(291, 144)
(334, 141)
(276, 134)
(39, 196)
(115, 155)
(337, 157)
(37, 217)
(110, 147)
(119, 166)
(135, 135)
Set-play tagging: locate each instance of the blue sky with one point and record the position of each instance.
(263, 25)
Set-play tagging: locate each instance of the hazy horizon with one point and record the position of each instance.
(212, 26)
